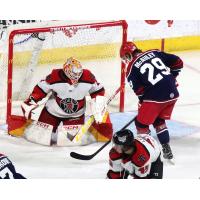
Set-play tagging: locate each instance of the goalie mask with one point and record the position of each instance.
(126, 52)
(73, 69)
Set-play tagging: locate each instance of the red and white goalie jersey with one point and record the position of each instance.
(67, 100)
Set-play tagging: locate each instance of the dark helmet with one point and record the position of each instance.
(127, 48)
(124, 137)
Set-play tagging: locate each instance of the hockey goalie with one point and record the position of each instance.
(64, 112)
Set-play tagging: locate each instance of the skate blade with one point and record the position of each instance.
(170, 161)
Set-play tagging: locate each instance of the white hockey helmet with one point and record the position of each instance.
(73, 69)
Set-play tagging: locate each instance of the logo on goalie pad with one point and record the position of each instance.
(69, 105)
(41, 124)
(70, 130)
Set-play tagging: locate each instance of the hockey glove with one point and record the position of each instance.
(28, 106)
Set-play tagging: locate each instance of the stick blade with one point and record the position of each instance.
(80, 156)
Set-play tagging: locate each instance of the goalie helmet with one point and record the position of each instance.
(73, 69)
(123, 138)
(127, 50)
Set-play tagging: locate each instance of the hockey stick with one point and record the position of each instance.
(90, 121)
(89, 157)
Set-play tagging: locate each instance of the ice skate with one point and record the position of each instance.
(167, 154)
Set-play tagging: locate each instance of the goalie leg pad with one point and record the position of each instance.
(65, 130)
(39, 132)
(64, 134)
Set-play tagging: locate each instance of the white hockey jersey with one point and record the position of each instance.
(139, 163)
(67, 100)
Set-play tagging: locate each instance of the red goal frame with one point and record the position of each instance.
(122, 23)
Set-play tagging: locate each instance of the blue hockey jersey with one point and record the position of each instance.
(7, 169)
(152, 75)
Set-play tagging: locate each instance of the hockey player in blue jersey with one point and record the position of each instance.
(152, 76)
(7, 169)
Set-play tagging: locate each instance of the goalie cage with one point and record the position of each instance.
(34, 52)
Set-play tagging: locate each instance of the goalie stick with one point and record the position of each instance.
(89, 157)
(89, 122)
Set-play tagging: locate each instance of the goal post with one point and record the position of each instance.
(34, 52)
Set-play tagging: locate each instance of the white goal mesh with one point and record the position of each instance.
(34, 52)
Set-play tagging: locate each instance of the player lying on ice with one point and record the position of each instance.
(68, 88)
(138, 157)
(7, 169)
(152, 76)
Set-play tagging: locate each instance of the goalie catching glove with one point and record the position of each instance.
(28, 106)
(99, 107)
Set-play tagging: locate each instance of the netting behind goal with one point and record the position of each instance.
(34, 52)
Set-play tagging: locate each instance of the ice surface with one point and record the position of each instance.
(36, 161)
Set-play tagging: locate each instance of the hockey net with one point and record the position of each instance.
(34, 51)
